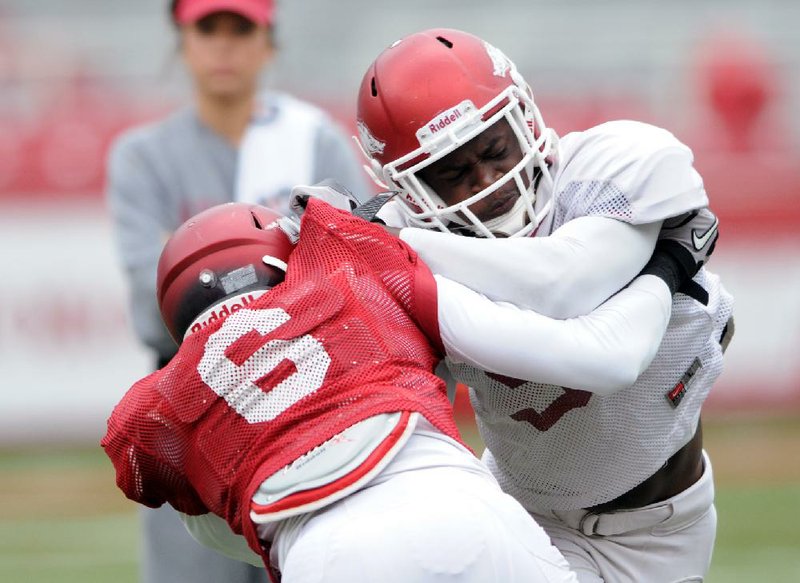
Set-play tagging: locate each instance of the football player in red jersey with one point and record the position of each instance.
(301, 413)
(614, 472)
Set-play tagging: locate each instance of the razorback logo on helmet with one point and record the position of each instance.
(223, 309)
(370, 143)
(444, 119)
(500, 63)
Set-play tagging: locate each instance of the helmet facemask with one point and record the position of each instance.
(425, 209)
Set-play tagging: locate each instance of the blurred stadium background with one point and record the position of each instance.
(723, 75)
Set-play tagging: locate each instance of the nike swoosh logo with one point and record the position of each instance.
(700, 242)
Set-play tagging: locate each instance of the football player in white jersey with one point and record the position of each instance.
(614, 468)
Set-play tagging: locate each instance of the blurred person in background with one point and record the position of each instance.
(161, 174)
(490, 197)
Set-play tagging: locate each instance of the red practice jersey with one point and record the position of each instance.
(351, 333)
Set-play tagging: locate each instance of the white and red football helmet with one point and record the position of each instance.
(432, 92)
(222, 257)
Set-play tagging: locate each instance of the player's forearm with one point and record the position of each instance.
(561, 276)
(602, 352)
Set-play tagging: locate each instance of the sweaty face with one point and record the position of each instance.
(225, 53)
(475, 166)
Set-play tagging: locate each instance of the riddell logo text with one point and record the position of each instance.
(444, 121)
(224, 310)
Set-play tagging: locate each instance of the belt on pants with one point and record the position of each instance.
(687, 505)
(614, 523)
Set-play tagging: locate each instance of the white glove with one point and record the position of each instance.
(290, 227)
(328, 190)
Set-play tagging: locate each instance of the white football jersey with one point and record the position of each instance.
(562, 448)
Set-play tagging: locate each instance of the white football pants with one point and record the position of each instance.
(434, 514)
(666, 542)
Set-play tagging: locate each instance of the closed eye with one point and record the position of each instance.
(453, 174)
(496, 154)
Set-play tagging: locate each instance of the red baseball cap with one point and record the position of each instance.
(259, 11)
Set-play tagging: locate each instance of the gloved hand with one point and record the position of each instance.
(328, 190)
(684, 245)
(338, 197)
(695, 233)
(369, 210)
(290, 227)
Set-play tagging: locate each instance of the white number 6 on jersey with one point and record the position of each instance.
(236, 382)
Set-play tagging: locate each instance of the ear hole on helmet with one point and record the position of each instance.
(256, 222)
(374, 88)
(445, 42)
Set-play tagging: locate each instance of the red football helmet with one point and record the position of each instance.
(223, 257)
(432, 92)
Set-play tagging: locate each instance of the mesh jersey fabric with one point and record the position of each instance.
(631, 171)
(337, 342)
(562, 448)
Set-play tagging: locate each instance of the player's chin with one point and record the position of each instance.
(500, 205)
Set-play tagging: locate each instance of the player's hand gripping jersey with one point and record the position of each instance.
(338, 342)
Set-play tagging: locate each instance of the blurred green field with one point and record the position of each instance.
(62, 519)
